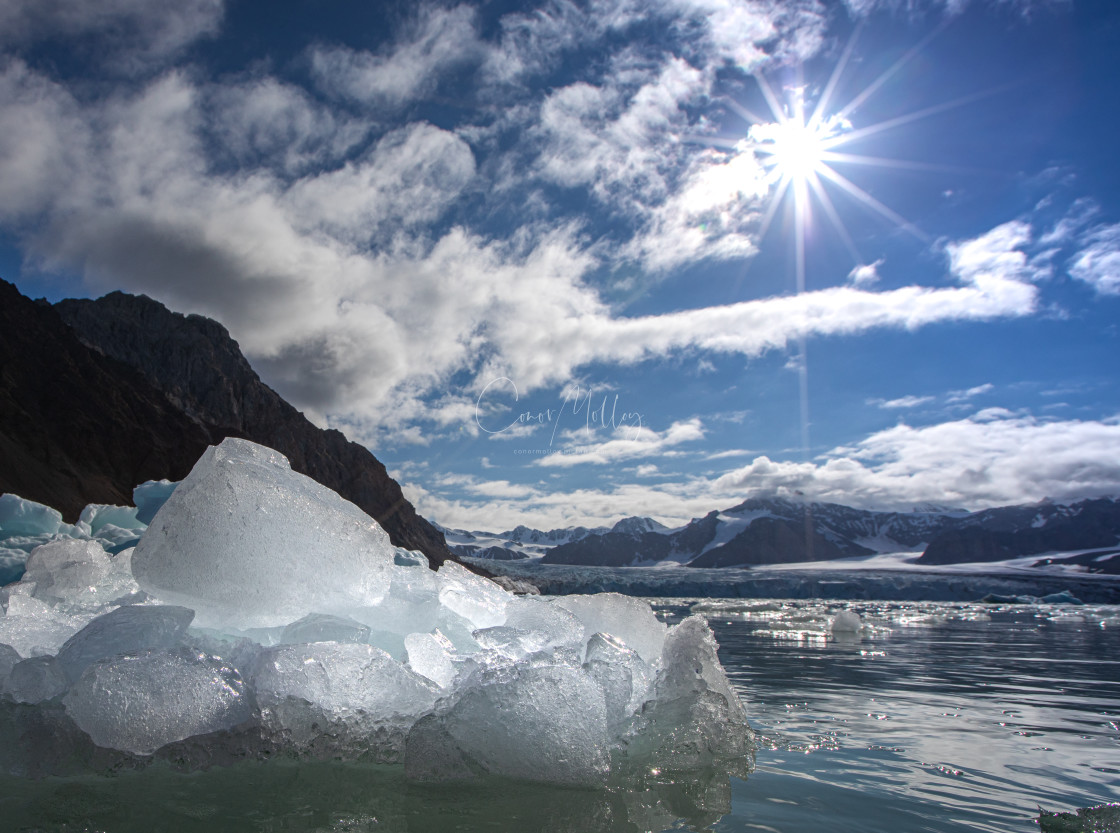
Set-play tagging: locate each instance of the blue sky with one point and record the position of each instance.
(555, 264)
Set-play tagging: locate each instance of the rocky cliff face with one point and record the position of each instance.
(101, 395)
(76, 426)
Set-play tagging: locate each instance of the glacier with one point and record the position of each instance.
(249, 612)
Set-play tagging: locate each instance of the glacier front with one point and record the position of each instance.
(261, 615)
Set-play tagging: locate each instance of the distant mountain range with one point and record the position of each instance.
(99, 396)
(775, 531)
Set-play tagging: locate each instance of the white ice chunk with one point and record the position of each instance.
(512, 643)
(140, 703)
(69, 571)
(558, 626)
(356, 693)
(624, 617)
(429, 654)
(540, 723)
(36, 679)
(478, 600)
(845, 622)
(33, 627)
(97, 515)
(323, 627)
(150, 496)
(694, 718)
(25, 517)
(247, 542)
(125, 630)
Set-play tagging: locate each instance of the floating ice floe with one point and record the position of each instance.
(260, 614)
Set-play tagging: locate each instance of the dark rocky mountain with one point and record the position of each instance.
(773, 531)
(76, 426)
(1013, 531)
(773, 541)
(98, 396)
(760, 531)
(494, 553)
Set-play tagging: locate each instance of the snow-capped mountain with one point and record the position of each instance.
(774, 531)
(519, 542)
(763, 531)
(1012, 531)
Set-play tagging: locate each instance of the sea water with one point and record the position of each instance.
(933, 716)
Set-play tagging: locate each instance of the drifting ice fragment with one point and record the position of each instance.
(125, 630)
(25, 517)
(150, 496)
(341, 692)
(693, 719)
(845, 622)
(478, 600)
(140, 703)
(624, 617)
(543, 724)
(68, 571)
(247, 542)
(36, 679)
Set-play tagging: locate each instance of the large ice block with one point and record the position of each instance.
(247, 542)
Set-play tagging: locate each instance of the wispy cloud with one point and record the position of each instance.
(133, 35)
(901, 403)
(627, 443)
(1098, 261)
(435, 41)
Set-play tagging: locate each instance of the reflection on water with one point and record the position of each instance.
(938, 717)
(286, 796)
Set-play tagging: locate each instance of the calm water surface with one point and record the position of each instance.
(936, 717)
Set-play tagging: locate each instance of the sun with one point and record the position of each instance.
(794, 150)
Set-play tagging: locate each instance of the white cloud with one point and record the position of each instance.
(865, 274)
(438, 40)
(902, 402)
(408, 178)
(965, 395)
(993, 459)
(269, 123)
(1098, 262)
(627, 443)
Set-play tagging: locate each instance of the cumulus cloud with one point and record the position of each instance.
(995, 458)
(990, 459)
